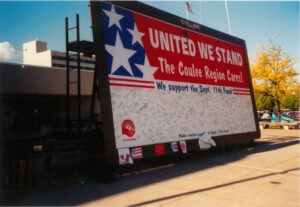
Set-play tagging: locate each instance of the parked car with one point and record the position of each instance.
(259, 115)
(294, 114)
(266, 116)
(283, 117)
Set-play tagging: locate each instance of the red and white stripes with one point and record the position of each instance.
(126, 82)
(241, 91)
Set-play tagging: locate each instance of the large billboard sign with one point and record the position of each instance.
(167, 81)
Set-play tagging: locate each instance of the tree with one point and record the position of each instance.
(264, 103)
(273, 73)
(290, 101)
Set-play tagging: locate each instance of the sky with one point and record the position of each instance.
(23, 21)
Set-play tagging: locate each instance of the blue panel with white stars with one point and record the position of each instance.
(117, 21)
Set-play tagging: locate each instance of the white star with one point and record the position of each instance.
(147, 69)
(114, 18)
(136, 35)
(120, 55)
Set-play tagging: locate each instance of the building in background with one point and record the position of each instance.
(33, 94)
(36, 53)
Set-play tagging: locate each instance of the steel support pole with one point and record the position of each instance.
(67, 76)
(78, 73)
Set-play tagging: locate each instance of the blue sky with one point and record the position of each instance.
(23, 21)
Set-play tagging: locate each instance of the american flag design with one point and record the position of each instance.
(137, 153)
(174, 146)
(189, 8)
(128, 64)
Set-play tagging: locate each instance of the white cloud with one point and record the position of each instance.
(8, 52)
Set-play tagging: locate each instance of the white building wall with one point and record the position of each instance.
(36, 53)
(40, 59)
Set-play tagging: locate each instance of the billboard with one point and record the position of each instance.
(166, 82)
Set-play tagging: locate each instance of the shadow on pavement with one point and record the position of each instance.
(177, 166)
(213, 187)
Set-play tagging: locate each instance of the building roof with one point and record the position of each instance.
(39, 80)
(85, 47)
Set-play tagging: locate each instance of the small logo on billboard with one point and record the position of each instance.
(183, 146)
(205, 141)
(124, 156)
(136, 153)
(174, 146)
(128, 128)
(159, 149)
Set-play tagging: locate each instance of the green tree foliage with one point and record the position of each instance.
(273, 75)
(290, 101)
(264, 102)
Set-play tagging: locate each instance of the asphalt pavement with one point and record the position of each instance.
(263, 174)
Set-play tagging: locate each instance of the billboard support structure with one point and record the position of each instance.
(77, 50)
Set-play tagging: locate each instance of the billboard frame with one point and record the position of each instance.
(101, 73)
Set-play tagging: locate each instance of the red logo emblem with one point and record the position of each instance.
(159, 149)
(126, 159)
(128, 128)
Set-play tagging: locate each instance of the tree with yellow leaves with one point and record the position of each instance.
(273, 73)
